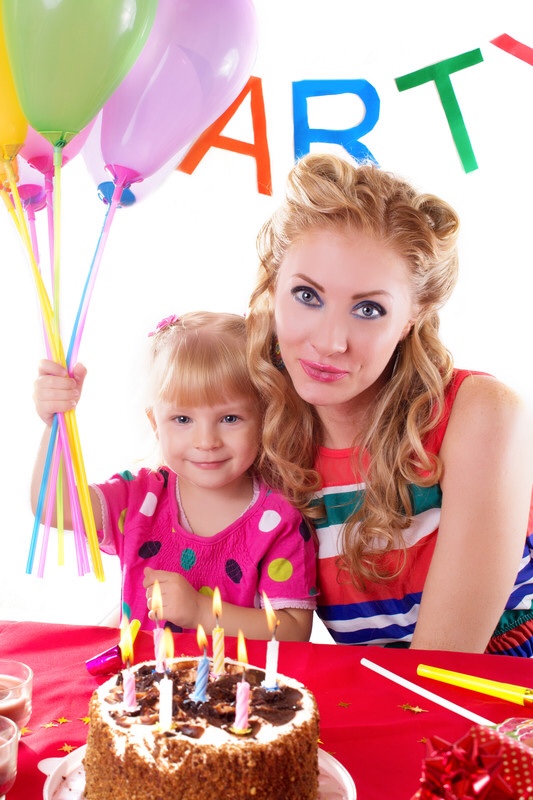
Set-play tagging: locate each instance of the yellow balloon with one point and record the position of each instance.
(13, 123)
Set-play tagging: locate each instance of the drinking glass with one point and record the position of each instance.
(9, 742)
(16, 681)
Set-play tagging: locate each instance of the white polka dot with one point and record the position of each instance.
(269, 520)
(149, 505)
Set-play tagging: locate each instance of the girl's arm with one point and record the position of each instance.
(486, 485)
(186, 607)
(54, 392)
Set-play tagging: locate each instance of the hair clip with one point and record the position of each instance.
(164, 323)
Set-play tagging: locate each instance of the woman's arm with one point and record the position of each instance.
(188, 608)
(486, 485)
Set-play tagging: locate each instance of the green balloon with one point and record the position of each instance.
(68, 56)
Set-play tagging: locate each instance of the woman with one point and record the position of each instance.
(418, 476)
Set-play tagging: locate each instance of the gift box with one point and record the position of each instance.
(485, 764)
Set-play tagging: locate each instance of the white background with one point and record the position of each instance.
(190, 244)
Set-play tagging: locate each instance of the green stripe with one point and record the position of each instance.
(341, 504)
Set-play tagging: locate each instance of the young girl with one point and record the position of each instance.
(423, 471)
(204, 518)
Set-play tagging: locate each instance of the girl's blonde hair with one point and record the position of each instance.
(198, 359)
(328, 192)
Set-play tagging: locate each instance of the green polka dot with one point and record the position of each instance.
(313, 590)
(188, 559)
(206, 590)
(280, 570)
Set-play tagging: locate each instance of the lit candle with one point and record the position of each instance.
(202, 674)
(271, 669)
(242, 698)
(128, 678)
(128, 682)
(218, 635)
(166, 686)
(157, 608)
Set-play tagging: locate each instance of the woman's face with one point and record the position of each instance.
(342, 303)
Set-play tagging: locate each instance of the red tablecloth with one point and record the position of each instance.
(367, 722)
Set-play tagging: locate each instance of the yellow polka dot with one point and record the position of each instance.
(122, 520)
(206, 590)
(280, 570)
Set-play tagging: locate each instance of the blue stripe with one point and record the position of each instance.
(370, 635)
(372, 608)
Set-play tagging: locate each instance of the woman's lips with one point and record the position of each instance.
(322, 372)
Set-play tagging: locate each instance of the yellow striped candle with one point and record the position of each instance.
(218, 635)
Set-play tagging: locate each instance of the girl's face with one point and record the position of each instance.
(210, 446)
(342, 304)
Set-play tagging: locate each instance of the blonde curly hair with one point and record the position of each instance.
(326, 191)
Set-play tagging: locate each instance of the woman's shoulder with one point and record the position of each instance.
(486, 407)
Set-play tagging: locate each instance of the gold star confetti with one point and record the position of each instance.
(414, 709)
(85, 720)
(67, 748)
(49, 725)
(62, 720)
(343, 704)
(24, 731)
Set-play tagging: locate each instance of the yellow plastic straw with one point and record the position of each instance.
(521, 695)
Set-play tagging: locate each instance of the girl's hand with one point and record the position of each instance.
(55, 390)
(182, 605)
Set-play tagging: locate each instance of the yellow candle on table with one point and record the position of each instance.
(521, 695)
(218, 635)
(157, 608)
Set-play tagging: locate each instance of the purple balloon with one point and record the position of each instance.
(195, 62)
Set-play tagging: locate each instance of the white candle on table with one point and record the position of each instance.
(271, 668)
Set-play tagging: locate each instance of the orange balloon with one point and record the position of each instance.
(13, 123)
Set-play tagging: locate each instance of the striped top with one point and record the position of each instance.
(386, 613)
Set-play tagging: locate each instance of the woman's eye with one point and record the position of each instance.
(368, 310)
(306, 296)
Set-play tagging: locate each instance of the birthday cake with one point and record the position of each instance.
(200, 754)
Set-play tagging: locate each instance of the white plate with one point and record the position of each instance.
(66, 781)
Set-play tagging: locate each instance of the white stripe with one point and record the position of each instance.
(344, 489)
(329, 541)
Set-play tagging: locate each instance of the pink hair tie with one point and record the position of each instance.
(164, 323)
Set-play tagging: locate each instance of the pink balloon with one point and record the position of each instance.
(195, 62)
(39, 152)
(30, 186)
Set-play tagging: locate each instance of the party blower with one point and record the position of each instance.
(521, 695)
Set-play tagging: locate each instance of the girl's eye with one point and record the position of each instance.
(230, 418)
(306, 295)
(181, 419)
(369, 310)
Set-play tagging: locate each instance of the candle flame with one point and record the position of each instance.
(166, 645)
(157, 601)
(217, 603)
(272, 620)
(201, 638)
(126, 640)
(242, 655)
